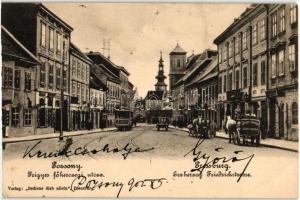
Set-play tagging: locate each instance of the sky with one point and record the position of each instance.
(139, 31)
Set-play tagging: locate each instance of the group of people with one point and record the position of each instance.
(202, 127)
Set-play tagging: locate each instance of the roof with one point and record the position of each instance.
(55, 16)
(178, 50)
(124, 70)
(236, 21)
(207, 72)
(157, 95)
(96, 83)
(9, 50)
(198, 64)
(74, 48)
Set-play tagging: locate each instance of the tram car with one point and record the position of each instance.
(123, 119)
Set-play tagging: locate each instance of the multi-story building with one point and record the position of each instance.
(98, 89)
(185, 90)
(79, 83)
(47, 36)
(243, 64)
(207, 85)
(106, 71)
(258, 68)
(125, 89)
(19, 67)
(282, 78)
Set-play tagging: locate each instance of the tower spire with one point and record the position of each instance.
(160, 85)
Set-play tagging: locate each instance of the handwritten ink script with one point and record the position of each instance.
(126, 150)
(204, 161)
(83, 183)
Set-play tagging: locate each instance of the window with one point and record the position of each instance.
(73, 88)
(293, 13)
(263, 72)
(27, 117)
(220, 85)
(58, 77)
(254, 34)
(178, 63)
(82, 93)
(83, 71)
(58, 42)
(254, 78)
(87, 73)
(273, 65)
(42, 75)
(244, 40)
(263, 29)
(51, 76)
(17, 79)
(8, 77)
(65, 79)
(230, 81)
(51, 38)
(78, 92)
(294, 113)
(281, 63)
(15, 116)
(225, 52)
(281, 19)
(220, 55)
(237, 45)
(74, 67)
(78, 69)
(245, 83)
(230, 49)
(27, 81)
(43, 34)
(225, 87)
(274, 24)
(292, 63)
(87, 94)
(237, 79)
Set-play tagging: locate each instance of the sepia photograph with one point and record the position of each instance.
(149, 99)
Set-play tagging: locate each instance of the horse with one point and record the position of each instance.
(231, 129)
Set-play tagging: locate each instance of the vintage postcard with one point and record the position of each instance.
(149, 100)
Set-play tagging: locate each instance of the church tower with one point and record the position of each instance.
(177, 65)
(160, 85)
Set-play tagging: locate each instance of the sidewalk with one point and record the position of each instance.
(269, 142)
(54, 135)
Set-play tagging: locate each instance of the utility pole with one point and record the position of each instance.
(61, 133)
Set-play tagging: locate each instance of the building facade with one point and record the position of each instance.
(19, 67)
(282, 90)
(48, 38)
(108, 73)
(257, 68)
(79, 89)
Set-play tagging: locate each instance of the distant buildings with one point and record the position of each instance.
(154, 100)
(56, 75)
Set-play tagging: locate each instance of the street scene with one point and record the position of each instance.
(141, 86)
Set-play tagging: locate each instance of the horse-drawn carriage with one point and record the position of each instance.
(163, 120)
(247, 128)
(203, 128)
